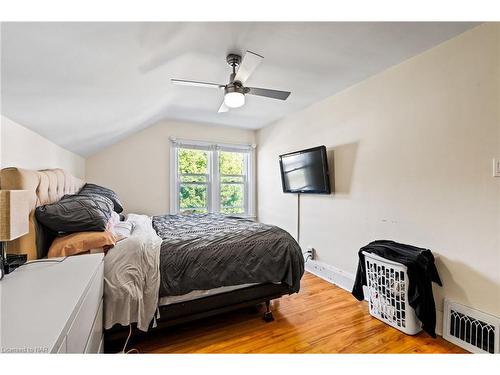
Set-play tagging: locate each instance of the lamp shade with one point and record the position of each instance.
(14, 214)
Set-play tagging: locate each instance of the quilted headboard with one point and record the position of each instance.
(44, 187)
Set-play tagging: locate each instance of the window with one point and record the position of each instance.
(211, 178)
(194, 177)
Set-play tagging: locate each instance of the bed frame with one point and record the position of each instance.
(49, 186)
(219, 303)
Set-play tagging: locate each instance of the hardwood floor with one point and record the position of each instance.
(322, 318)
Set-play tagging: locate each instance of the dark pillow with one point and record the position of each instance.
(76, 213)
(100, 190)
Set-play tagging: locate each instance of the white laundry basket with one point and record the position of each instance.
(387, 283)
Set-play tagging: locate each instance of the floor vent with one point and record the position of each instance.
(471, 329)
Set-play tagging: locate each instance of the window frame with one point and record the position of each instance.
(214, 177)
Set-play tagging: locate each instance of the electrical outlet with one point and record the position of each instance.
(496, 168)
(310, 253)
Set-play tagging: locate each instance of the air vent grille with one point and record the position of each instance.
(471, 329)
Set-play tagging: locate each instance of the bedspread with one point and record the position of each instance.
(205, 251)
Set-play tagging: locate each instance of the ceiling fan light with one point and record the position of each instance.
(234, 99)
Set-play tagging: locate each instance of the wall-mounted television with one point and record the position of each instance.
(305, 171)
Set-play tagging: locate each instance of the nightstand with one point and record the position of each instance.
(53, 307)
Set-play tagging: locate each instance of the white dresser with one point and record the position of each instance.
(53, 307)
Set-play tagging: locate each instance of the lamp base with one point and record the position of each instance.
(2, 259)
(12, 261)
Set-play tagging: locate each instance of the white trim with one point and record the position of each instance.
(439, 322)
(213, 181)
(331, 274)
(208, 144)
(213, 190)
(173, 180)
(252, 183)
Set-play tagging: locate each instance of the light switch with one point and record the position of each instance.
(496, 168)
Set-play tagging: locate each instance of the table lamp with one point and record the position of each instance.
(14, 220)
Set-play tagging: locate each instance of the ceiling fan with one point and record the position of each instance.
(234, 91)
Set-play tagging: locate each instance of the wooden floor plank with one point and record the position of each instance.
(322, 318)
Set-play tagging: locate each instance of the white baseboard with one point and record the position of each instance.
(331, 274)
(439, 322)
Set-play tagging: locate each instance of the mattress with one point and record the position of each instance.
(196, 294)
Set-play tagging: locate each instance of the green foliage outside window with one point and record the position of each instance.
(231, 163)
(193, 188)
(193, 172)
(232, 193)
(193, 161)
(193, 198)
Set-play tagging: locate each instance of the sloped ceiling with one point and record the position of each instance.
(87, 85)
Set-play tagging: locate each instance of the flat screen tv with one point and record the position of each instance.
(305, 171)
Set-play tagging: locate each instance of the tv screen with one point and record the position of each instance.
(305, 171)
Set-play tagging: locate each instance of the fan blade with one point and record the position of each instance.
(184, 82)
(249, 63)
(268, 93)
(223, 108)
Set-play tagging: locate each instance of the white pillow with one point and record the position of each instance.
(115, 218)
(122, 230)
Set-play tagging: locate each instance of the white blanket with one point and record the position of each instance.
(132, 276)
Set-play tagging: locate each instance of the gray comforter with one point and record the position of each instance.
(201, 252)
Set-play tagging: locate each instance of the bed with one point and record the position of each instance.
(208, 264)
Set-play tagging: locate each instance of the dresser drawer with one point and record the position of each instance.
(79, 332)
(96, 334)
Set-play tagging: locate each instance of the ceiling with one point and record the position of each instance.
(87, 85)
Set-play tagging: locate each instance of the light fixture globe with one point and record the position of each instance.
(234, 99)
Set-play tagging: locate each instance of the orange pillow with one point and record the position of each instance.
(80, 242)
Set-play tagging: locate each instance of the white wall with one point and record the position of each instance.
(23, 148)
(413, 149)
(138, 168)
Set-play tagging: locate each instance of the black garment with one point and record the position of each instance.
(421, 272)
